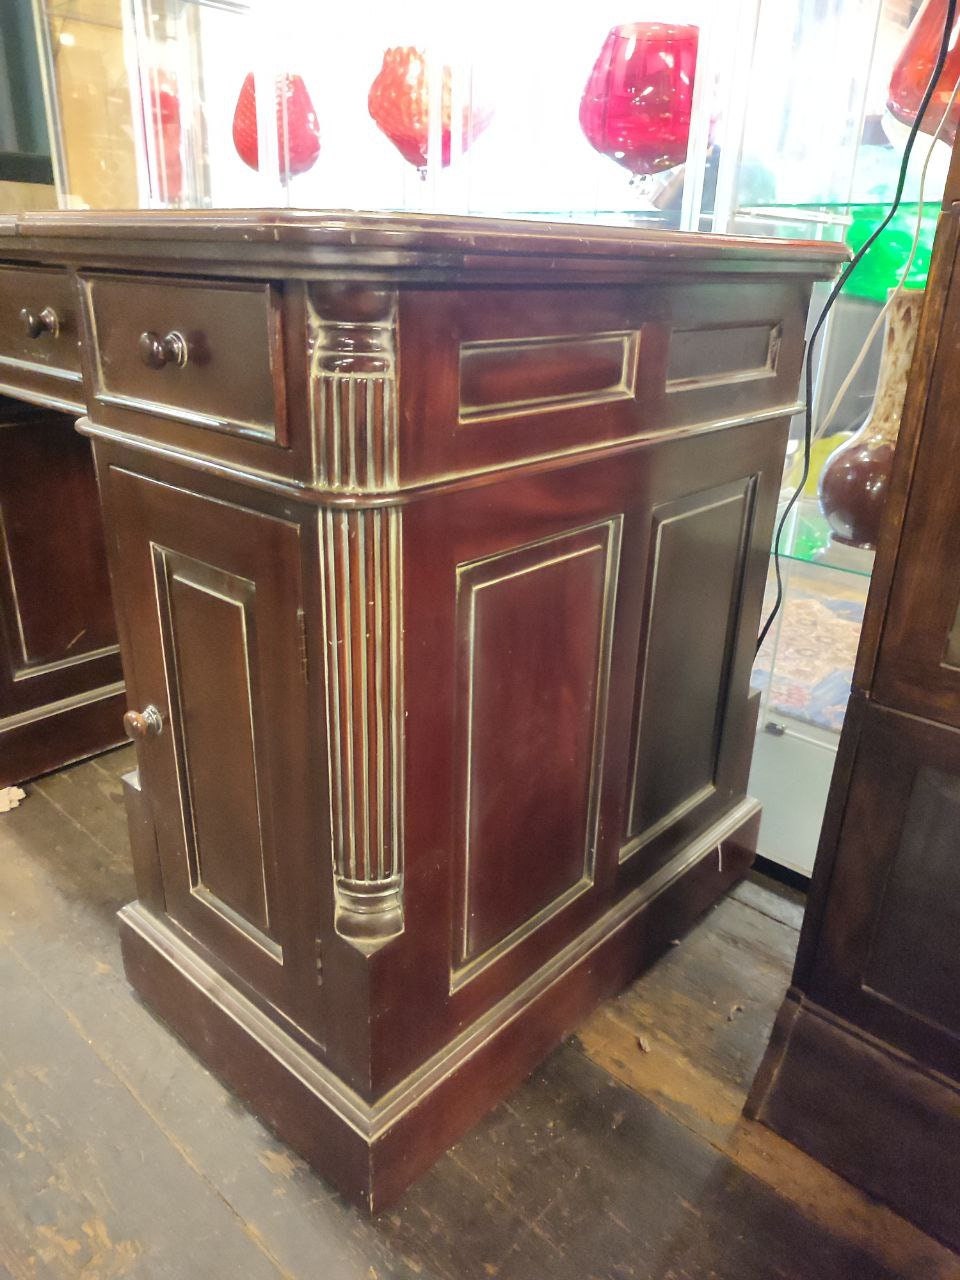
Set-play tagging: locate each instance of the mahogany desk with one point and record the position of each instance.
(438, 548)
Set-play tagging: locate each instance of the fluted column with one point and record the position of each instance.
(354, 407)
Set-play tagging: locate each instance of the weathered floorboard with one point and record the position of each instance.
(121, 1156)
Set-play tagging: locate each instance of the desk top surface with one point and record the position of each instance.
(394, 241)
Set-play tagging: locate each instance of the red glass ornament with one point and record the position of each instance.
(914, 67)
(168, 132)
(399, 103)
(298, 144)
(637, 103)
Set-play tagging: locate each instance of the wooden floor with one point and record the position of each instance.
(624, 1156)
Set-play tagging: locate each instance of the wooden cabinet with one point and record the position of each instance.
(863, 1070)
(438, 548)
(61, 692)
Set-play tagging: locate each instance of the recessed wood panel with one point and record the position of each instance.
(214, 726)
(515, 376)
(703, 356)
(699, 546)
(531, 712)
(923, 885)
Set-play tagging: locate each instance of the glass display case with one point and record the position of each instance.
(88, 100)
(499, 108)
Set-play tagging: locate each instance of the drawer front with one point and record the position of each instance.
(206, 356)
(39, 332)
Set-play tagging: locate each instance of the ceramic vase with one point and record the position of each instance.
(856, 478)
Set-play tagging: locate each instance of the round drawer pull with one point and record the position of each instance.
(155, 352)
(143, 724)
(35, 326)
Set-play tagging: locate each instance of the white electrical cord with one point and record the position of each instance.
(901, 283)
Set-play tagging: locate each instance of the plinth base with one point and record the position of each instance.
(869, 1113)
(372, 1151)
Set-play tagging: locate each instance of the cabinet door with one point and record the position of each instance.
(210, 598)
(918, 667)
(887, 957)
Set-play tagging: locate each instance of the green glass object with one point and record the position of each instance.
(883, 262)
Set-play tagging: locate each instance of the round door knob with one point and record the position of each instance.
(142, 724)
(155, 352)
(36, 324)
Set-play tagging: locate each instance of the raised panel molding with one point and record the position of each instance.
(517, 375)
(699, 546)
(702, 356)
(361, 562)
(214, 700)
(531, 734)
(353, 395)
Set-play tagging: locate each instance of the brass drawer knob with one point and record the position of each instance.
(36, 325)
(142, 724)
(155, 352)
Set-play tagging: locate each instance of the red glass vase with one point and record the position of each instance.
(168, 133)
(399, 104)
(913, 70)
(637, 103)
(298, 133)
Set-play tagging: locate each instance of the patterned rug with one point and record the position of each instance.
(815, 651)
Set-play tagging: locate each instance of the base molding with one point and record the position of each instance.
(60, 733)
(371, 1151)
(869, 1113)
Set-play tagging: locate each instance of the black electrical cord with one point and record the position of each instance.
(831, 299)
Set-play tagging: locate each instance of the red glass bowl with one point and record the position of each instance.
(637, 103)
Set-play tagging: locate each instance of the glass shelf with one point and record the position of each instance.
(807, 540)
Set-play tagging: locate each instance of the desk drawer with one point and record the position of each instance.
(202, 355)
(39, 334)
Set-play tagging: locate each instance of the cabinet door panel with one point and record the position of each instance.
(532, 714)
(699, 545)
(887, 956)
(211, 598)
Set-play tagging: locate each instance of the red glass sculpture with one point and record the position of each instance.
(167, 132)
(298, 133)
(637, 103)
(399, 103)
(913, 70)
